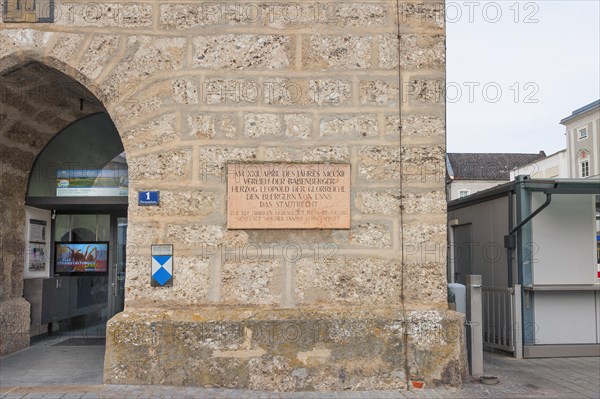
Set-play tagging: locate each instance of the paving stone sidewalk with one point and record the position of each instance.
(530, 378)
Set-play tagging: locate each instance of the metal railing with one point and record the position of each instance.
(501, 319)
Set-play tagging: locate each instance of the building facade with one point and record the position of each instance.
(581, 158)
(182, 91)
(553, 166)
(583, 140)
(468, 173)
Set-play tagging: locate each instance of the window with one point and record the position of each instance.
(85, 159)
(463, 193)
(582, 133)
(584, 168)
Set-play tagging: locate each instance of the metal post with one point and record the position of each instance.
(475, 322)
(517, 311)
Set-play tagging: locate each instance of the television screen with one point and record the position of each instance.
(81, 257)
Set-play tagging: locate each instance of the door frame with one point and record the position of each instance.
(114, 214)
(455, 245)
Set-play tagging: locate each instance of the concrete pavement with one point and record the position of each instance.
(48, 370)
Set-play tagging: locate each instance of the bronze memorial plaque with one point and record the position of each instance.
(288, 196)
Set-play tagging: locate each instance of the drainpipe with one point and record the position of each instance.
(510, 240)
(532, 215)
(509, 251)
(514, 237)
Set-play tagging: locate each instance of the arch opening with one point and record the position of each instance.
(63, 205)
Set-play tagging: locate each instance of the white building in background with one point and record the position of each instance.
(583, 141)
(555, 166)
(468, 173)
(581, 158)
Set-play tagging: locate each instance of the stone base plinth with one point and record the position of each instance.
(285, 349)
(14, 325)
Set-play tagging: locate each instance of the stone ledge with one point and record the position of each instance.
(303, 349)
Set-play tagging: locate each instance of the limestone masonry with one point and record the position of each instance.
(194, 86)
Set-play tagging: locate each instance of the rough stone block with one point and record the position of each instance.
(297, 125)
(425, 203)
(14, 187)
(271, 14)
(66, 46)
(351, 280)
(227, 125)
(371, 235)
(103, 14)
(415, 125)
(142, 105)
(379, 162)
(98, 54)
(150, 134)
(425, 242)
(330, 153)
(214, 160)
(211, 125)
(185, 16)
(285, 242)
(329, 91)
(362, 125)
(356, 14)
(392, 125)
(13, 259)
(424, 92)
(27, 135)
(185, 91)
(202, 126)
(243, 51)
(12, 40)
(309, 154)
(417, 51)
(144, 56)
(337, 52)
(129, 341)
(284, 91)
(16, 159)
(422, 52)
(378, 202)
(272, 125)
(430, 277)
(251, 282)
(168, 165)
(231, 91)
(191, 281)
(419, 16)
(258, 125)
(379, 92)
(309, 349)
(141, 235)
(195, 235)
(424, 164)
(14, 319)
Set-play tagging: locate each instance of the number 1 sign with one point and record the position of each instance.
(148, 198)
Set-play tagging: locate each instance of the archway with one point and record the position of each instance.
(45, 116)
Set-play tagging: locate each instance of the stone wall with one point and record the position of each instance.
(192, 86)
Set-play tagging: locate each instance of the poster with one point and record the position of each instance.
(37, 257)
(91, 183)
(37, 250)
(37, 230)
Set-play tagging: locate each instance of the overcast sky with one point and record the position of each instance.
(537, 63)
